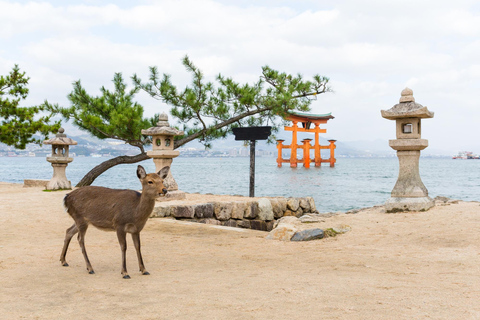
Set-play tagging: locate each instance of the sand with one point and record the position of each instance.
(389, 266)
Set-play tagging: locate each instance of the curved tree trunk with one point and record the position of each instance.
(104, 166)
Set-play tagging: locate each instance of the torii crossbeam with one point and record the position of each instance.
(306, 120)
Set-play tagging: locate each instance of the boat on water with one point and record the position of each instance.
(466, 155)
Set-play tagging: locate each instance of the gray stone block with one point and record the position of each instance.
(205, 210)
(239, 208)
(307, 235)
(258, 225)
(251, 211)
(223, 210)
(183, 212)
(265, 211)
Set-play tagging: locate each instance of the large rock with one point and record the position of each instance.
(293, 204)
(311, 202)
(223, 210)
(258, 225)
(307, 235)
(284, 232)
(238, 210)
(304, 204)
(205, 210)
(183, 212)
(279, 207)
(251, 212)
(265, 211)
(160, 211)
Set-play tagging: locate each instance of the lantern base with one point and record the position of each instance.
(401, 204)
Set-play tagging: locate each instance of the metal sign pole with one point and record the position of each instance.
(252, 168)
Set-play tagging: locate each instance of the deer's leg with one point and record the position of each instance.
(69, 234)
(82, 229)
(122, 240)
(136, 242)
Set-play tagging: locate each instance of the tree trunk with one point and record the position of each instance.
(104, 166)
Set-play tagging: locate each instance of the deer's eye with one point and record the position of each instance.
(150, 182)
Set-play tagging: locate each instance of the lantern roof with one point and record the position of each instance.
(60, 139)
(162, 128)
(407, 108)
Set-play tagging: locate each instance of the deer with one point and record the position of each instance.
(122, 211)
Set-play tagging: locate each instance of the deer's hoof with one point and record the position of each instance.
(64, 264)
(91, 272)
(146, 273)
(126, 276)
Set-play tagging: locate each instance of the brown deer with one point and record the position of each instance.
(123, 211)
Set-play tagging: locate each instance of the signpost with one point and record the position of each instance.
(253, 134)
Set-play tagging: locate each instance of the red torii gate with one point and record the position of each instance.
(306, 120)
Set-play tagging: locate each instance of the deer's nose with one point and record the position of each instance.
(164, 191)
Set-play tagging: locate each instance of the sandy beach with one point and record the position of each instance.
(389, 266)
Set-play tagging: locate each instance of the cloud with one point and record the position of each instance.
(370, 50)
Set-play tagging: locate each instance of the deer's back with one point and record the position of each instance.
(103, 207)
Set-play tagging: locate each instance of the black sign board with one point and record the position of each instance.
(252, 134)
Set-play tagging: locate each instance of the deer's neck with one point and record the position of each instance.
(145, 206)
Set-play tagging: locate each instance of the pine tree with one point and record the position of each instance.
(205, 112)
(19, 124)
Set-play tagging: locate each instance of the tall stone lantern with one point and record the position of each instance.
(59, 160)
(162, 153)
(409, 193)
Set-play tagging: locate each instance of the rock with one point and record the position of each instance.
(212, 221)
(279, 207)
(299, 212)
(293, 204)
(244, 224)
(452, 201)
(183, 212)
(223, 210)
(283, 231)
(160, 211)
(307, 235)
(251, 212)
(204, 210)
(265, 211)
(352, 211)
(441, 199)
(311, 202)
(289, 213)
(230, 223)
(342, 229)
(258, 225)
(286, 219)
(310, 218)
(304, 204)
(238, 210)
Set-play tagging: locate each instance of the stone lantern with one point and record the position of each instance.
(59, 160)
(162, 153)
(409, 193)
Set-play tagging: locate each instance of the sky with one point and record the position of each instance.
(369, 49)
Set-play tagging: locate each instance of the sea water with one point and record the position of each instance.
(352, 183)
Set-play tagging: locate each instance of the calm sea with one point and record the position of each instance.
(353, 183)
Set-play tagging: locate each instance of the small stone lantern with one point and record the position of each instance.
(163, 153)
(59, 160)
(409, 193)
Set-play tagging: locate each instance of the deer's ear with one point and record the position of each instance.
(163, 173)
(141, 173)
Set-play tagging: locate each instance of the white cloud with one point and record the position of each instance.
(370, 49)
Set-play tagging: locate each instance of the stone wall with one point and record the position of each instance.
(258, 214)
